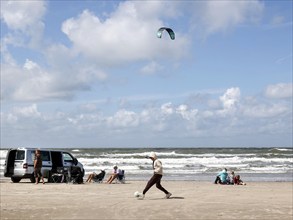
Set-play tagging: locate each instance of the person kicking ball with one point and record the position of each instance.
(156, 178)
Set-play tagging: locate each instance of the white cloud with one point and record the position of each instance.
(185, 113)
(123, 119)
(167, 109)
(280, 90)
(30, 65)
(250, 116)
(217, 16)
(29, 111)
(26, 17)
(129, 34)
(19, 15)
(31, 82)
(151, 68)
(230, 98)
(265, 111)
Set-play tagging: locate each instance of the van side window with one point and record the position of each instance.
(19, 155)
(33, 155)
(45, 156)
(67, 157)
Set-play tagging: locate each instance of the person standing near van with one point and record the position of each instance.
(38, 166)
(156, 178)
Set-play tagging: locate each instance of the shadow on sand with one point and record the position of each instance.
(172, 197)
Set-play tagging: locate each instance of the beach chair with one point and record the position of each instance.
(57, 178)
(99, 177)
(121, 177)
(57, 175)
(74, 175)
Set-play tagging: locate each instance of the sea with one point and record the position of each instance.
(187, 164)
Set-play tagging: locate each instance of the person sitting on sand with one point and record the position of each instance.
(231, 177)
(114, 175)
(222, 177)
(94, 176)
(238, 181)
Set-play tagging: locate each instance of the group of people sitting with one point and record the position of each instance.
(116, 174)
(225, 178)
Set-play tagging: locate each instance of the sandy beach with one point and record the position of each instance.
(190, 200)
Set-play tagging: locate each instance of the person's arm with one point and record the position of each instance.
(35, 163)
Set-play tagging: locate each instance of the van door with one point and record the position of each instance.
(19, 163)
(47, 164)
(9, 163)
(57, 161)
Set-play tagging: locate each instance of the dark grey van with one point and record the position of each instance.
(19, 163)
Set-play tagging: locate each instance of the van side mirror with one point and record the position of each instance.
(75, 161)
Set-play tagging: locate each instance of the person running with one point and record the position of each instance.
(156, 178)
(38, 166)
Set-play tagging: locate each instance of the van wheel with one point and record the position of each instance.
(15, 179)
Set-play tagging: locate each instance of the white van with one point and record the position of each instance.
(19, 163)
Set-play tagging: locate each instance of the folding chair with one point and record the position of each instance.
(57, 178)
(74, 175)
(121, 177)
(57, 175)
(99, 177)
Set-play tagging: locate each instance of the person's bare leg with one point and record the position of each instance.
(113, 177)
(110, 178)
(88, 178)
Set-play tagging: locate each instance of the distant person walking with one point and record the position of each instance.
(38, 167)
(156, 178)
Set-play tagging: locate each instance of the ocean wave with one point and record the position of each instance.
(282, 149)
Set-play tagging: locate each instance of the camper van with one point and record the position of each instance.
(19, 163)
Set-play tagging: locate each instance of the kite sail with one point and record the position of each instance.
(169, 30)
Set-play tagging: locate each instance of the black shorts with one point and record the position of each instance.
(37, 172)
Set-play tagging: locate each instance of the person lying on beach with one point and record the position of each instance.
(94, 176)
(114, 175)
(222, 177)
(238, 181)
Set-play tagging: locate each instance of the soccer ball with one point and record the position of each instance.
(136, 194)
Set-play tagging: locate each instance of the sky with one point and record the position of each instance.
(95, 74)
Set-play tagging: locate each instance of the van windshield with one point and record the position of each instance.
(19, 155)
